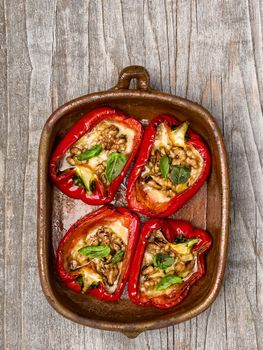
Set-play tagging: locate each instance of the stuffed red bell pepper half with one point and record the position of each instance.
(172, 164)
(95, 255)
(169, 259)
(92, 159)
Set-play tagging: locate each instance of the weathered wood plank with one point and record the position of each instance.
(54, 50)
(39, 38)
(3, 142)
(18, 84)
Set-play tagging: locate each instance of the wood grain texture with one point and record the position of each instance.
(54, 50)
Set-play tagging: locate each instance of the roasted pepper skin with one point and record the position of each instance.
(171, 228)
(79, 229)
(65, 182)
(138, 202)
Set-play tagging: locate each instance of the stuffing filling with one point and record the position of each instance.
(100, 155)
(98, 258)
(173, 165)
(166, 265)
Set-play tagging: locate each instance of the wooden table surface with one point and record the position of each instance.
(206, 50)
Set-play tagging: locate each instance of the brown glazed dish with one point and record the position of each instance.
(208, 209)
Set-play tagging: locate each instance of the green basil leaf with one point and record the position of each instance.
(92, 251)
(92, 185)
(94, 285)
(78, 181)
(118, 256)
(187, 136)
(181, 239)
(164, 166)
(180, 174)
(115, 164)
(90, 153)
(85, 178)
(167, 281)
(79, 280)
(163, 261)
(190, 242)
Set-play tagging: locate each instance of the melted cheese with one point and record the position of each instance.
(64, 165)
(181, 187)
(195, 173)
(156, 195)
(89, 276)
(120, 230)
(162, 138)
(167, 138)
(76, 255)
(177, 136)
(86, 174)
(148, 258)
(129, 133)
(89, 139)
(117, 227)
(94, 162)
(111, 289)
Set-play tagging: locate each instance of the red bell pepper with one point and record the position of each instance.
(101, 193)
(172, 230)
(138, 199)
(79, 232)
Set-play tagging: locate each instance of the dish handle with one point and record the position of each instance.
(139, 73)
(131, 334)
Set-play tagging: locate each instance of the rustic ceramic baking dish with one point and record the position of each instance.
(209, 209)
